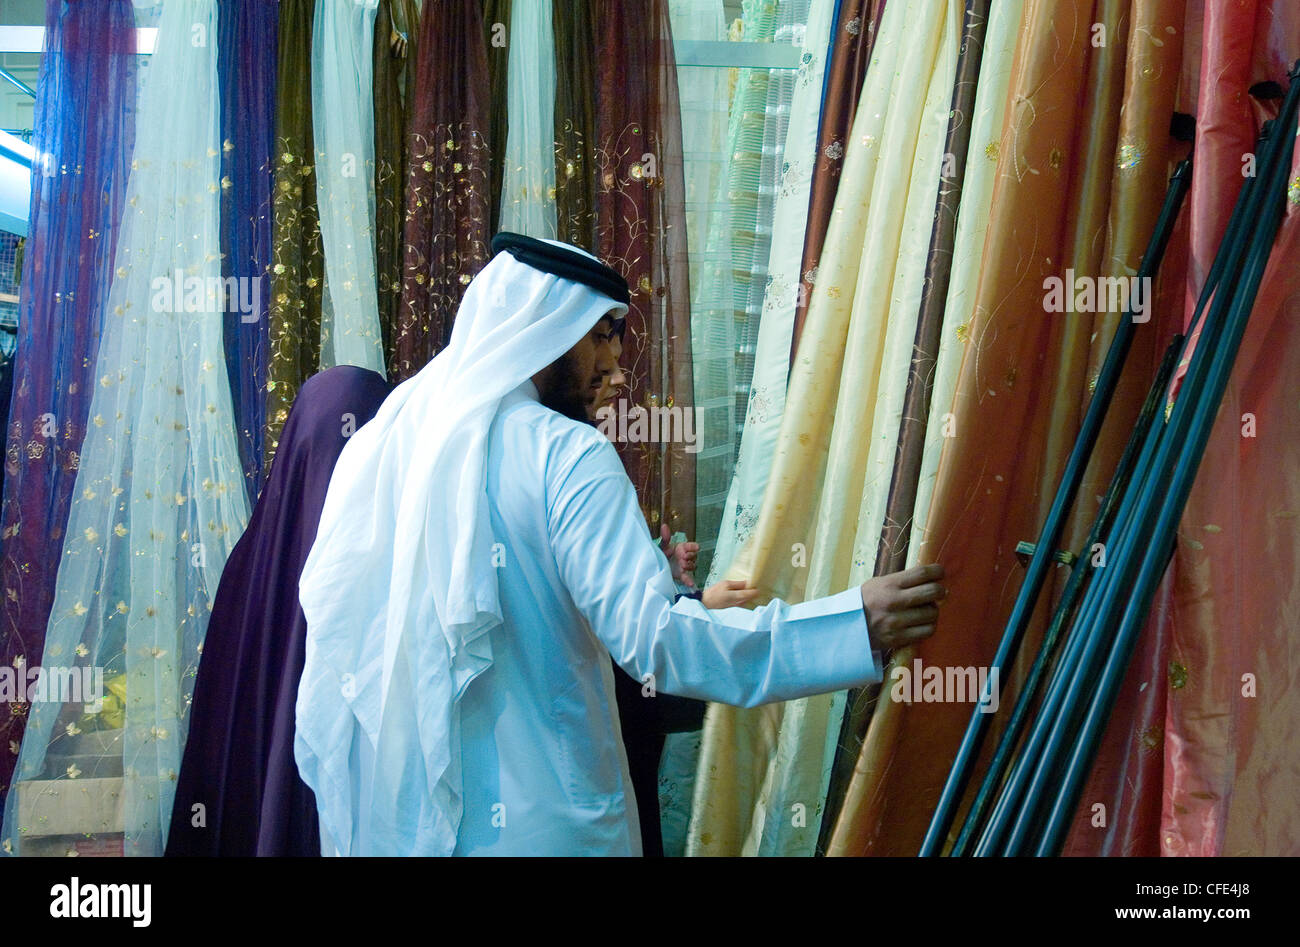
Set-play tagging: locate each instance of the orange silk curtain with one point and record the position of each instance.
(1083, 161)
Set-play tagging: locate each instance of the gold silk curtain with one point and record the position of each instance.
(1079, 182)
(298, 262)
(763, 773)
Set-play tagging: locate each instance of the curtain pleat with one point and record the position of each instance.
(834, 454)
(84, 136)
(445, 242)
(298, 264)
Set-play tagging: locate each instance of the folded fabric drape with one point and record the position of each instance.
(640, 231)
(528, 185)
(394, 59)
(247, 50)
(853, 39)
(1216, 760)
(766, 401)
(1002, 463)
(298, 265)
(575, 122)
(445, 242)
(160, 496)
(721, 293)
(900, 505)
(496, 24)
(705, 97)
(1129, 767)
(824, 507)
(343, 113)
(84, 133)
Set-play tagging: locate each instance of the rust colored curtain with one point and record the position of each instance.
(1195, 762)
(1126, 777)
(852, 41)
(640, 231)
(447, 200)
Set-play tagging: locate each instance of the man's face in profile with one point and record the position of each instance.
(579, 377)
(611, 382)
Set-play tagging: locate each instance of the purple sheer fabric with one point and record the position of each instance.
(247, 49)
(238, 763)
(84, 135)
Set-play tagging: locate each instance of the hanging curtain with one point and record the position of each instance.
(1129, 771)
(721, 293)
(575, 118)
(394, 52)
(247, 50)
(853, 39)
(496, 23)
(342, 99)
(1190, 765)
(528, 188)
(977, 180)
(159, 497)
(1230, 758)
(298, 270)
(705, 95)
(766, 402)
(895, 537)
(447, 202)
(759, 232)
(640, 231)
(1019, 396)
(824, 507)
(84, 129)
(771, 349)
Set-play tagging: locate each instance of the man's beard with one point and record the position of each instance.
(565, 394)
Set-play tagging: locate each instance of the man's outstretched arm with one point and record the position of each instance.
(623, 585)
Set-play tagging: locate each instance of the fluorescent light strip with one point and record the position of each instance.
(31, 39)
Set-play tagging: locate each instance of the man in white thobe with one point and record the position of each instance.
(480, 553)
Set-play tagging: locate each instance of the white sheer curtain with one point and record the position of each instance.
(343, 125)
(528, 187)
(798, 109)
(704, 94)
(721, 273)
(159, 498)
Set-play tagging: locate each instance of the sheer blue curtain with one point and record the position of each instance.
(246, 64)
(84, 128)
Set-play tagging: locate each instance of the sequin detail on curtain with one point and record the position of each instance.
(159, 495)
(640, 231)
(575, 89)
(247, 50)
(298, 265)
(84, 134)
(394, 56)
(447, 204)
